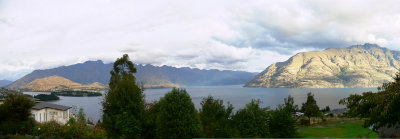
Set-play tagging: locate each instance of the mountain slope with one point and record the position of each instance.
(58, 82)
(149, 75)
(365, 65)
(5, 83)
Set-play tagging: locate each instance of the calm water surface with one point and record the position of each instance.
(237, 95)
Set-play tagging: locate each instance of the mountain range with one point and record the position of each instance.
(367, 65)
(150, 76)
(4, 83)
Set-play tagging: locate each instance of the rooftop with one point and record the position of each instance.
(43, 105)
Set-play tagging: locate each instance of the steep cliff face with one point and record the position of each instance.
(365, 65)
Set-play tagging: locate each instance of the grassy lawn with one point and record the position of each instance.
(344, 129)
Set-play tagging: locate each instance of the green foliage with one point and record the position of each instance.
(71, 130)
(15, 114)
(177, 116)
(76, 93)
(381, 109)
(150, 120)
(43, 97)
(304, 122)
(252, 121)
(215, 118)
(123, 105)
(310, 107)
(283, 123)
(326, 109)
(81, 117)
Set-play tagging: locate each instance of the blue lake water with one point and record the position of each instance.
(237, 95)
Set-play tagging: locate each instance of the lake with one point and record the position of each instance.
(237, 95)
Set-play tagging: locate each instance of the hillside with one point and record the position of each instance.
(151, 76)
(59, 83)
(365, 65)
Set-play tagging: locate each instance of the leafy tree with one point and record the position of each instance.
(124, 104)
(289, 105)
(15, 114)
(252, 121)
(310, 107)
(177, 116)
(380, 109)
(282, 122)
(215, 118)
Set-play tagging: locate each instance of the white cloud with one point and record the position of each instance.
(237, 35)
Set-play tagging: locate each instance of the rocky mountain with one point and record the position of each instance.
(60, 83)
(4, 83)
(149, 75)
(367, 65)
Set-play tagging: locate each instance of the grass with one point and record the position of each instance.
(339, 129)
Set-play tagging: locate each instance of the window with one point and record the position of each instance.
(65, 114)
(53, 113)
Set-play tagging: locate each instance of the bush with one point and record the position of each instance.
(304, 122)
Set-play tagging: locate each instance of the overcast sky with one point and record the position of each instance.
(240, 35)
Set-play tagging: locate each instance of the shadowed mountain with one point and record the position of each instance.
(4, 83)
(149, 75)
(365, 65)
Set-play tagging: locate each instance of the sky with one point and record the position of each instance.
(241, 35)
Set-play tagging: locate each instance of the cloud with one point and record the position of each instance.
(208, 34)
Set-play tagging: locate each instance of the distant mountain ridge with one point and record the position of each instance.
(367, 65)
(149, 75)
(4, 83)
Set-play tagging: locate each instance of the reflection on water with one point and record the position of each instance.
(237, 95)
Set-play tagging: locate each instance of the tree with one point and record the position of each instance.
(215, 118)
(177, 116)
(81, 117)
(150, 121)
(252, 121)
(282, 122)
(124, 104)
(310, 107)
(380, 109)
(15, 114)
(326, 109)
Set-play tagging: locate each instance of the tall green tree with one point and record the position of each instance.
(380, 109)
(252, 121)
(15, 114)
(310, 107)
(123, 104)
(177, 116)
(216, 118)
(282, 122)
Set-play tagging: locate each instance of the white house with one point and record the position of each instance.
(45, 112)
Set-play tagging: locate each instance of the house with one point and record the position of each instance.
(2, 100)
(45, 112)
